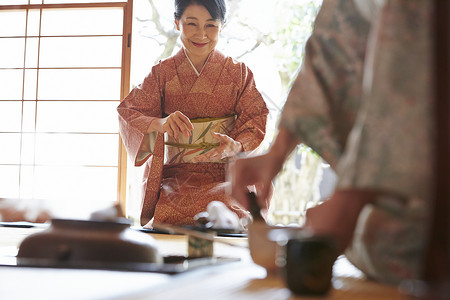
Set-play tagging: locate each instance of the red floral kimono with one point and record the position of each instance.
(174, 192)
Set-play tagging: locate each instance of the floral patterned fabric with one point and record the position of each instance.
(225, 87)
(362, 100)
(323, 102)
(391, 146)
(391, 143)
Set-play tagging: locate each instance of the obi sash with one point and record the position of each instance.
(185, 149)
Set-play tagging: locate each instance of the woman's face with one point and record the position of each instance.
(199, 31)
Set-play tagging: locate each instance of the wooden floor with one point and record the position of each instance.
(239, 280)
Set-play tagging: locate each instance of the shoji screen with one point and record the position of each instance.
(64, 67)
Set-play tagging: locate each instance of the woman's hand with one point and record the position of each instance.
(337, 217)
(258, 171)
(227, 148)
(174, 124)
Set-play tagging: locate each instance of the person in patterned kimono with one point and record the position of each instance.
(362, 100)
(192, 113)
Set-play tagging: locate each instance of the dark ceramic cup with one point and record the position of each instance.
(309, 264)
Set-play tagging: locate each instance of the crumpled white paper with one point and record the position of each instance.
(222, 217)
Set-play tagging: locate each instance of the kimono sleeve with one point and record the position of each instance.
(250, 127)
(323, 102)
(136, 112)
(392, 146)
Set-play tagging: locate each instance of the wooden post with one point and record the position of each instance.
(436, 262)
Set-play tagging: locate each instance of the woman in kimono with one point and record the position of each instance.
(209, 108)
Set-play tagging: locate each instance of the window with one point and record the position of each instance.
(63, 70)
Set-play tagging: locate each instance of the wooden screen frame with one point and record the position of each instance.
(127, 6)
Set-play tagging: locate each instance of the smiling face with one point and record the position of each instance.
(199, 31)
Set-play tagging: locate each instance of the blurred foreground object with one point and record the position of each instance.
(25, 210)
(309, 265)
(219, 216)
(265, 242)
(70, 242)
(305, 261)
(113, 213)
(437, 258)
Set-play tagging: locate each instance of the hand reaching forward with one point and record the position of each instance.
(227, 148)
(258, 171)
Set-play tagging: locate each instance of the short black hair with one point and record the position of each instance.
(216, 8)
